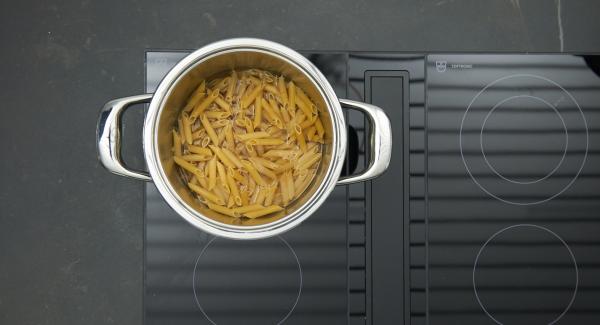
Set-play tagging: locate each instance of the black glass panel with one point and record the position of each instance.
(513, 189)
(488, 214)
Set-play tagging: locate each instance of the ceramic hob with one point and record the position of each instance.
(488, 214)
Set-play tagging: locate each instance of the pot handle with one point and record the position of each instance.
(380, 142)
(108, 136)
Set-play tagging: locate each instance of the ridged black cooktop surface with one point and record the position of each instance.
(488, 213)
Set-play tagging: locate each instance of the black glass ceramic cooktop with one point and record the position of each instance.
(488, 213)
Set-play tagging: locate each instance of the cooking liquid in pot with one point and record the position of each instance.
(248, 143)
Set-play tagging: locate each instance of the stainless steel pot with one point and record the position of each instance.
(171, 95)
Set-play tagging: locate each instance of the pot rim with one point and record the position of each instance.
(193, 216)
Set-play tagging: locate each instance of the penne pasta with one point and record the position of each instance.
(209, 130)
(223, 104)
(235, 191)
(252, 135)
(275, 108)
(221, 84)
(312, 150)
(265, 142)
(308, 163)
(251, 96)
(220, 135)
(305, 182)
(222, 209)
(255, 196)
(219, 124)
(195, 97)
(248, 125)
(242, 88)
(257, 112)
(264, 170)
(251, 185)
(285, 115)
(238, 177)
(212, 173)
(187, 166)
(250, 149)
(263, 212)
(205, 141)
(202, 181)
(198, 134)
(307, 123)
(271, 115)
(283, 166)
(200, 107)
(222, 176)
(254, 81)
(306, 110)
(248, 208)
(320, 129)
(176, 144)
(300, 177)
(272, 89)
(284, 188)
(282, 90)
(310, 132)
(240, 122)
(301, 142)
(222, 157)
(285, 146)
(231, 87)
(260, 197)
(260, 150)
(286, 154)
(232, 157)
(254, 173)
(187, 127)
(291, 90)
(199, 150)
(301, 95)
(245, 196)
(277, 200)
(196, 157)
(206, 194)
(248, 144)
(267, 163)
(180, 129)
(290, 184)
(271, 192)
(220, 191)
(217, 115)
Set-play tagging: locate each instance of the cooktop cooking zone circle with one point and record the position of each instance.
(564, 145)
(256, 281)
(525, 274)
(523, 139)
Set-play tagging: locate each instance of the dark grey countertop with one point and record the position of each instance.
(70, 232)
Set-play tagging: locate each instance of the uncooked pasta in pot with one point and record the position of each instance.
(248, 144)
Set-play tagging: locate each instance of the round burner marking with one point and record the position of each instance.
(482, 187)
(530, 226)
(566, 146)
(285, 243)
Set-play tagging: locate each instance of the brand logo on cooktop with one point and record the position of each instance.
(442, 66)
